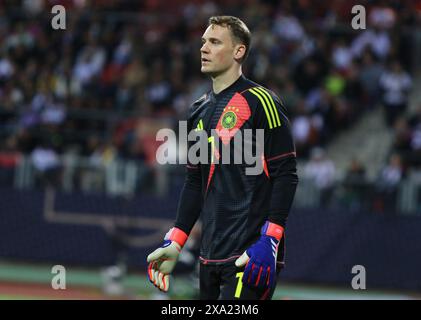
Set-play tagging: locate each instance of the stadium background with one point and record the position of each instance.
(80, 108)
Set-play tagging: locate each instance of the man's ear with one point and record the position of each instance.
(239, 51)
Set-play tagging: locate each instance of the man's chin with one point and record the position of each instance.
(205, 70)
(208, 72)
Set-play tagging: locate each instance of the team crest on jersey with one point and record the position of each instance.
(236, 113)
(229, 120)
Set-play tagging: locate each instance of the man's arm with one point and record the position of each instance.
(280, 167)
(163, 260)
(279, 153)
(190, 202)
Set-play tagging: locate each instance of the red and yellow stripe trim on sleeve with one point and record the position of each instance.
(268, 105)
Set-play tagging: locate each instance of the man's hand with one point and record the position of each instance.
(163, 260)
(260, 258)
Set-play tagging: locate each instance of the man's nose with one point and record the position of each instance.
(204, 48)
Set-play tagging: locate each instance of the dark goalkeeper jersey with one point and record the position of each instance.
(232, 204)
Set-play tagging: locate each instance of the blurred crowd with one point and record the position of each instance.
(73, 90)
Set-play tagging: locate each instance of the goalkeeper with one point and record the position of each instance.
(243, 216)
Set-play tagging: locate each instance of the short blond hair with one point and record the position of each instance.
(239, 31)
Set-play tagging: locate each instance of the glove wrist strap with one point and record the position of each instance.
(177, 235)
(273, 230)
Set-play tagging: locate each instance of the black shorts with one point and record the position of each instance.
(224, 282)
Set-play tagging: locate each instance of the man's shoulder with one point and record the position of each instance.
(200, 100)
(265, 103)
(256, 93)
(199, 104)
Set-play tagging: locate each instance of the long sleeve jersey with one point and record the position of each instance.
(232, 204)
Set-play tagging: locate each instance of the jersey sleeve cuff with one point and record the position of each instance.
(177, 235)
(273, 230)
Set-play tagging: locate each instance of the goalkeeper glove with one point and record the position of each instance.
(260, 258)
(163, 260)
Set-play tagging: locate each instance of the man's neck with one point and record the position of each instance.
(224, 80)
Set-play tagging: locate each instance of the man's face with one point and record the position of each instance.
(218, 50)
